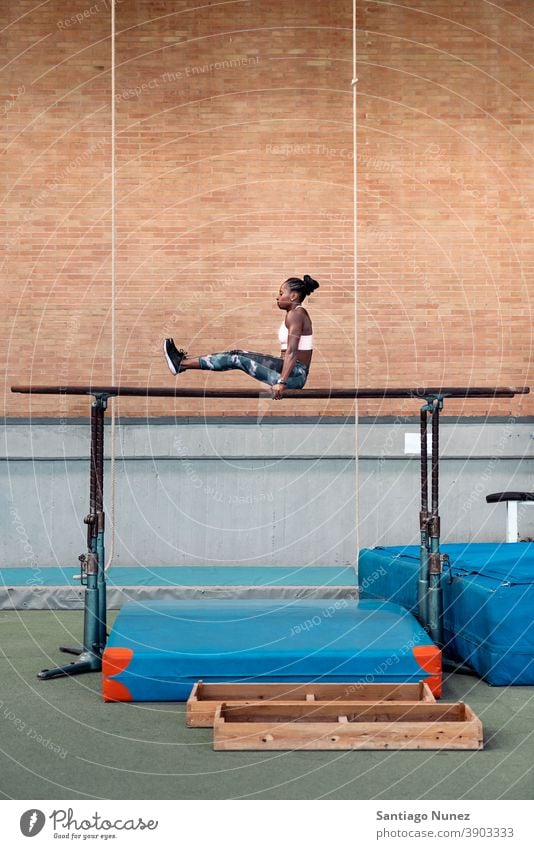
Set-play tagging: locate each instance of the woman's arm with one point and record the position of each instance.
(295, 325)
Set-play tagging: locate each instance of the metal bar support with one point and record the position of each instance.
(424, 517)
(93, 575)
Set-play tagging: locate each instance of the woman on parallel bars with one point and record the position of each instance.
(296, 342)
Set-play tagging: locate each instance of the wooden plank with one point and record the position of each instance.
(205, 698)
(347, 726)
(356, 712)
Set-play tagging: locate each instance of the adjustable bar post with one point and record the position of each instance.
(435, 558)
(423, 520)
(93, 575)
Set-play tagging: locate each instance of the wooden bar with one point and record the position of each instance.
(206, 698)
(176, 392)
(269, 726)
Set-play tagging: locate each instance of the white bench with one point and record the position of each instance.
(512, 499)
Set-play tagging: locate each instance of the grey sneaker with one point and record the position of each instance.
(173, 355)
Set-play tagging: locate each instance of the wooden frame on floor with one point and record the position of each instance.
(206, 698)
(344, 725)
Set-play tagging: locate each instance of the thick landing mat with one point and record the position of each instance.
(488, 599)
(157, 651)
(58, 588)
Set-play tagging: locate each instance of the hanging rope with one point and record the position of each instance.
(113, 242)
(355, 272)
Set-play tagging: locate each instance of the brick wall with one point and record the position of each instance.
(234, 171)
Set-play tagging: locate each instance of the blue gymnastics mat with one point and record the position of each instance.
(488, 600)
(157, 651)
(58, 588)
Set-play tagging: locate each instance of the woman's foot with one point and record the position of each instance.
(173, 355)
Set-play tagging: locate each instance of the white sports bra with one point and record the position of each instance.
(305, 342)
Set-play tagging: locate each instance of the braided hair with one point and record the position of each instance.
(304, 287)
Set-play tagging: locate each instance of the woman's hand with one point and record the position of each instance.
(278, 390)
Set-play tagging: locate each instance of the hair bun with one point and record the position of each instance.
(310, 283)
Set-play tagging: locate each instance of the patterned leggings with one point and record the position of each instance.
(260, 366)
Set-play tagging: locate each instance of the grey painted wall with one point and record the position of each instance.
(237, 493)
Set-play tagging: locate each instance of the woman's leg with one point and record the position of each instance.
(262, 367)
(258, 366)
(266, 360)
(298, 377)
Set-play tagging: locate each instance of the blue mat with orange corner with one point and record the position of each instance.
(157, 650)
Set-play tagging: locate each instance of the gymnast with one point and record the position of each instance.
(296, 342)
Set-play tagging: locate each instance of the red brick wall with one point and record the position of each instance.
(234, 171)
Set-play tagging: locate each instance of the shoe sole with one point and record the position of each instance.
(169, 361)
